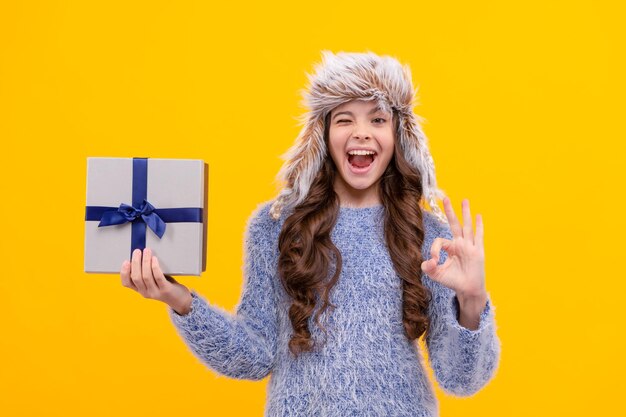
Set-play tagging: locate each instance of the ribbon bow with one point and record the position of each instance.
(126, 213)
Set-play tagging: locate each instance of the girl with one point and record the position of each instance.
(344, 269)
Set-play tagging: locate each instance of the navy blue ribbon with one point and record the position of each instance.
(142, 214)
(126, 213)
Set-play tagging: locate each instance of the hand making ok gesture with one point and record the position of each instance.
(464, 269)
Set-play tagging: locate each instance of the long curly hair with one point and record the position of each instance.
(306, 249)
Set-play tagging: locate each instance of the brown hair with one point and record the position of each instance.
(306, 250)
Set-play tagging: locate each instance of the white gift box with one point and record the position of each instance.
(146, 202)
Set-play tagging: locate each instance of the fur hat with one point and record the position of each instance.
(340, 78)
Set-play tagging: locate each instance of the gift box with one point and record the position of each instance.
(146, 202)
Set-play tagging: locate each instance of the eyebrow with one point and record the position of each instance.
(374, 110)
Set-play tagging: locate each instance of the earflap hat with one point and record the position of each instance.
(341, 78)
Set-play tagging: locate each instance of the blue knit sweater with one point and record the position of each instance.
(366, 365)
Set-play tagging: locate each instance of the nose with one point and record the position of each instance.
(361, 131)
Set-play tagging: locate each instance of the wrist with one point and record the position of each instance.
(183, 307)
(472, 299)
(470, 310)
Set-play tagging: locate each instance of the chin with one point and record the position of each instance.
(359, 183)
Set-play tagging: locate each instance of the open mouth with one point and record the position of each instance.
(361, 163)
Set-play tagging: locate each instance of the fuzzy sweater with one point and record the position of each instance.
(366, 366)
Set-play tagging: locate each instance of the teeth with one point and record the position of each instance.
(359, 152)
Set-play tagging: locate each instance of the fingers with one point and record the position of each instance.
(143, 274)
(479, 231)
(457, 230)
(135, 272)
(435, 248)
(125, 274)
(438, 244)
(431, 267)
(146, 270)
(146, 266)
(159, 277)
(455, 226)
(467, 221)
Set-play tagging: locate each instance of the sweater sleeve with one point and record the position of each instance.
(242, 345)
(463, 360)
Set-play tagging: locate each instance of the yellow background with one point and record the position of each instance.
(524, 105)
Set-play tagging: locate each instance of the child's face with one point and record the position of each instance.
(363, 127)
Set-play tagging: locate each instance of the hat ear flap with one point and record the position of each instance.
(414, 145)
(302, 163)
